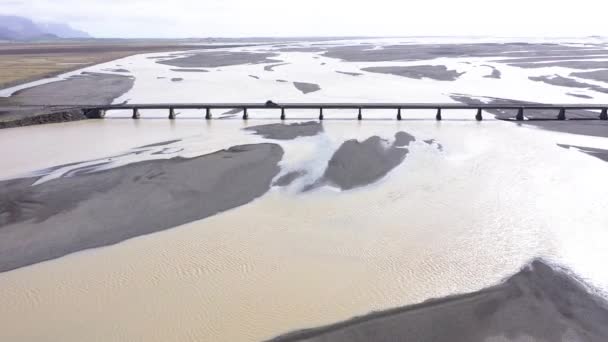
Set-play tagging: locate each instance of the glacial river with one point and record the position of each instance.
(470, 204)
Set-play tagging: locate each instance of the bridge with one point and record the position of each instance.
(520, 109)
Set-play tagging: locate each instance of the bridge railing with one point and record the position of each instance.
(561, 110)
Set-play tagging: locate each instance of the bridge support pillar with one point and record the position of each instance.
(171, 113)
(604, 114)
(478, 116)
(321, 113)
(208, 114)
(360, 116)
(562, 114)
(399, 114)
(135, 113)
(520, 115)
(438, 116)
(245, 115)
(282, 113)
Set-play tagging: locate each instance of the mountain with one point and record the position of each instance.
(6, 34)
(20, 28)
(63, 30)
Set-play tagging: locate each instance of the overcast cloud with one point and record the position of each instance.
(240, 18)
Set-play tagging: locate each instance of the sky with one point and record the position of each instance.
(283, 18)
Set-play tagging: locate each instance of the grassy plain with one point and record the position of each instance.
(25, 62)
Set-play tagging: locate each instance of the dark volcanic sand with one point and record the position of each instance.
(597, 75)
(403, 139)
(302, 49)
(519, 54)
(17, 117)
(575, 56)
(537, 304)
(357, 164)
(168, 142)
(272, 66)
(595, 152)
(349, 73)
(87, 210)
(89, 88)
(306, 88)
(564, 64)
(582, 96)
(287, 132)
(230, 113)
(435, 72)
(495, 72)
(289, 178)
(594, 128)
(567, 82)
(190, 70)
(419, 52)
(559, 81)
(119, 70)
(214, 59)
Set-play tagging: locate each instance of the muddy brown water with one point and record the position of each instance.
(444, 221)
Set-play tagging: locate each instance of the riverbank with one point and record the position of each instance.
(69, 202)
(22, 63)
(539, 303)
(50, 102)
